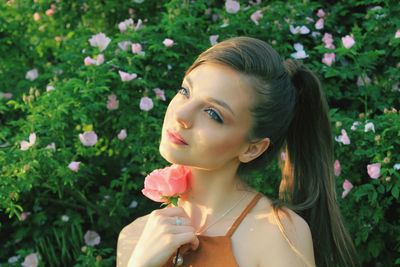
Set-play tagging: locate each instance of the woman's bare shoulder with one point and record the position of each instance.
(284, 238)
(128, 238)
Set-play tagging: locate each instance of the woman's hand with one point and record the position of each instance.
(161, 238)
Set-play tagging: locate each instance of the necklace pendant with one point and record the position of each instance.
(179, 260)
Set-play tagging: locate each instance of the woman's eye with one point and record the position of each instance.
(183, 91)
(214, 115)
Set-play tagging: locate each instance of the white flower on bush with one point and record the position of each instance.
(319, 24)
(213, 39)
(14, 259)
(26, 145)
(146, 103)
(168, 42)
(397, 34)
(64, 218)
(122, 134)
(363, 81)
(74, 166)
(369, 127)
(354, 125)
(124, 45)
(126, 77)
(32, 74)
(396, 166)
(300, 53)
(51, 146)
(232, 6)
(100, 40)
(92, 238)
(49, 88)
(299, 29)
(348, 41)
(31, 260)
(133, 204)
(124, 25)
(88, 138)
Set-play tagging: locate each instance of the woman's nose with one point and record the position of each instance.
(184, 116)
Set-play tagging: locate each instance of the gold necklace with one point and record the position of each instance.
(178, 259)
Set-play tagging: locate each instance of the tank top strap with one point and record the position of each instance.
(243, 214)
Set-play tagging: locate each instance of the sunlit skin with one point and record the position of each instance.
(216, 137)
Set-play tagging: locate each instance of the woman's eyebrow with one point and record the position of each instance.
(210, 99)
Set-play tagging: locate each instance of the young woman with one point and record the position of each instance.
(240, 107)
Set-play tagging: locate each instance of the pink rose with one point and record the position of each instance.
(25, 215)
(126, 77)
(36, 16)
(26, 145)
(160, 94)
(146, 103)
(112, 103)
(32, 75)
(74, 166)
(319, 24)
(328, 41)
(92, 238)
(336, 167)
(256, 16)
(50, 12)
(232, 6)
(374, 170)
(328, 59)
(321, 13)
(163, 184)
(136, 48)
(213, 39)
(31, 260)
(88, 138)
(347, 186)
(168, 42)
(100, 40)
(348, 41)
(397, 34)
(122, 135)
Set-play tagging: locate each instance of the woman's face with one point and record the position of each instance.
(211, 114)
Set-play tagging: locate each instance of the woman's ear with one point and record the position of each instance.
(254, 150)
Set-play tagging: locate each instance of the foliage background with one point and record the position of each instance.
(104, 195)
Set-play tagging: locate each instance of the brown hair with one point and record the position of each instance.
(292, 111)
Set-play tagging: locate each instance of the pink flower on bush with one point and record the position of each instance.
(31, 260)
(299, 29)
(162, 184)
(146, 103)
(344, 138)
(98, 61)
(336, 168)
(328, 59)
(92, 238)
(32, 75)
(26, 145)
(300, 53)
(122, 135)
(112, 103)
(25, 215)
(213, 39)
(50, 12)
(136, 48)
(6, 95)
(348, 41)
(319, 24)
(160, 94)
(168, 42)
(123, 26)
(256, 16)
(124, 45)
(374, 170)
(100, 40)
(126, 77)
(321, 13)
(328, 41)
(51, 146)
(347, 186)
(88, 138)
(397, 34)
(36, 16)
(74, 166)
(232, 6)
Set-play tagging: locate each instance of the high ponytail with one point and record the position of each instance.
(308, 183)
(290, 109)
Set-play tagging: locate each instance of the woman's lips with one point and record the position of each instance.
(175, 138)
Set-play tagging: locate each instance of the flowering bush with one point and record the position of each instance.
(83, 90)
